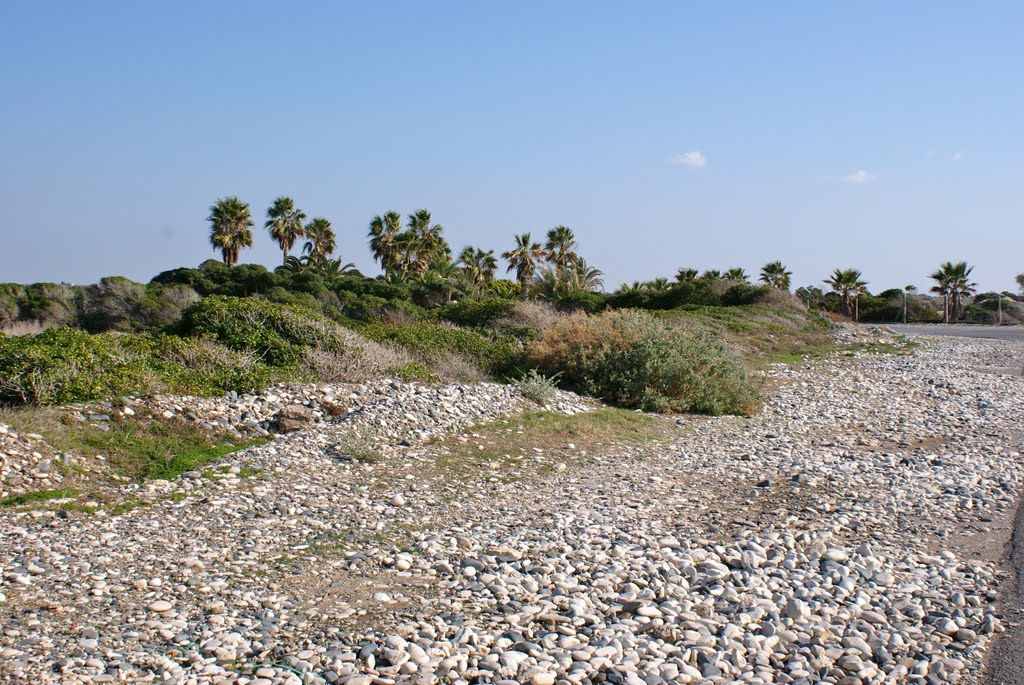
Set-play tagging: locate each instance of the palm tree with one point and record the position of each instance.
(737, 274)
(629, 288)
(711, 275)
(776, 275)
(582, 277)
(230, 224)
(658, 285)
(524, 259)
(423, 242)
(561, 247)
(953, 283)
(332, 268)
(321, 239)
(284, 222)
(687, 275)
(444, 275)
(384, 229)
(1020, 282)
(292, 265)
(479, 267)
(847, 284)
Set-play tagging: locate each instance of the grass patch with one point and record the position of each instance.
(37, 496)
(144, 447)
(126, 506)
(358, 448)
(761, 333)
(512, 444)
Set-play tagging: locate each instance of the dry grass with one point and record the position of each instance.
(580, 335)
(528, 443)
(361, 359)
(17, 328)
(209, 357)
(531, 314)
(398, 317)
(456, 368)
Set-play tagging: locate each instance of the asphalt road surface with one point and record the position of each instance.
(962, 330)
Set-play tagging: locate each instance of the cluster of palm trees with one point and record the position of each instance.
(774, 274)
(411, 252)
(231, 229)
(952, 283)
(417, 252)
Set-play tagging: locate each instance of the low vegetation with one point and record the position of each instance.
(508, 449)
(537, 387)
(664, 345)
(634, 359)
(143, 447)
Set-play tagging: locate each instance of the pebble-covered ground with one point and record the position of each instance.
(849, 534)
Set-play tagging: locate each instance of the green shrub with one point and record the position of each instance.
(48, 303)
(203, 367)
(63, 365)
(582, 301)
(292, 339)
(433, 342)
(744, 293)
(275, 333)
(473, 313)
(633, 359)
(504, 289)
(537, 387)
(414, 371)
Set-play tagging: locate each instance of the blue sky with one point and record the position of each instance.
(883, 136)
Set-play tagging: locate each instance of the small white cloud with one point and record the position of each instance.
(957, 156)
(859, 176)
(695, 159)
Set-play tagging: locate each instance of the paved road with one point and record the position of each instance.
(962, 330)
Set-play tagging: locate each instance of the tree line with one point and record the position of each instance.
(414, 250)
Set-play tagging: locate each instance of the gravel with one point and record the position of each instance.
(842, 536)
(26, 463)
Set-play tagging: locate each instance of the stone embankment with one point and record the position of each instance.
(849, 534)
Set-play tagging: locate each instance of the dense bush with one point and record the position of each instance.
(476, 312)
(437, 344)
(581, 301)
(529, 315)
(64, 365)
(289, 337)
(881, 308)
(276, 333)
(633, 359)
